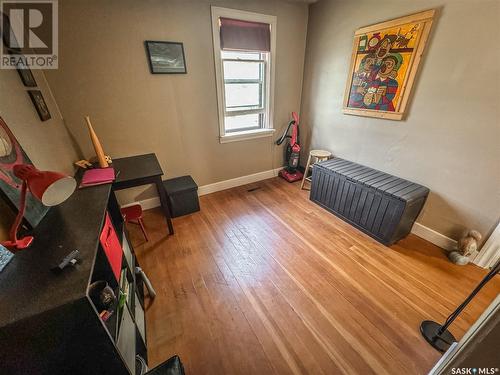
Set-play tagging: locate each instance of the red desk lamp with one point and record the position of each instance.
(51, 188)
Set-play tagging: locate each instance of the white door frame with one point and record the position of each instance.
(490, 252)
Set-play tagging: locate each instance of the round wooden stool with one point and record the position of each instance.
(318, 155)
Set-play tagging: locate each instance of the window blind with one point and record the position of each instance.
(244, 35)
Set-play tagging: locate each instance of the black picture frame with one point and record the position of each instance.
(7, 33)
(25, 74)
(171, 52)
(40, 105)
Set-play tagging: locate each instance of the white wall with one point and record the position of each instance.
(450, 140)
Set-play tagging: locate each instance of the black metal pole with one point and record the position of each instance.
(459, 309)
(438, 335)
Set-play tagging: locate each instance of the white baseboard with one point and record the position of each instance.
(146, 204)
(217, 186)
(238, 181)
(434, 237)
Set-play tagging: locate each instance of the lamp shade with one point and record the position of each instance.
(51, 188)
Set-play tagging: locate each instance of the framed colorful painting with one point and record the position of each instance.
(12, 154)
(384, 63)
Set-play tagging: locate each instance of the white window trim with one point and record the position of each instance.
(268, 131)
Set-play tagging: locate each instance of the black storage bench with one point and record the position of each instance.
(182, 195)
(383, 206)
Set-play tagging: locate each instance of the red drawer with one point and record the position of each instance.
(111, 245)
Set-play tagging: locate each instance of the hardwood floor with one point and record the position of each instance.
(266, 282)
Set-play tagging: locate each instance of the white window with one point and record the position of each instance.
(244, 74)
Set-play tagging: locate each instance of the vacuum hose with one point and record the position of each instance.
(149, 286)
(285, 134)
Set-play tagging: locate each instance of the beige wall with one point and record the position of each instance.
(104, 73)
(47, 143)
(450, 141)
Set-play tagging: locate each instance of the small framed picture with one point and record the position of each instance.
(166, 57)
(40, 105)
(25, 74)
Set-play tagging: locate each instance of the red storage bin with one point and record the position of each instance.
(112, 247)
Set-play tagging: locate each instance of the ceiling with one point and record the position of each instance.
(302, 1)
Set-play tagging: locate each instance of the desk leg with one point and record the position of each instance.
(164, 204)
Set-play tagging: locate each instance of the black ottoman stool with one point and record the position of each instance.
(182, 195)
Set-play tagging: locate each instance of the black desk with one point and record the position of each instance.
(142, 170)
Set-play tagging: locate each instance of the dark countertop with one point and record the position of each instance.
(27, 284)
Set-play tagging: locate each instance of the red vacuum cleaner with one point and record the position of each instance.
(292, 151)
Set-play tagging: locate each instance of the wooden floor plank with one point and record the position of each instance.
(266, 282)
(326, 314)
(352, 313)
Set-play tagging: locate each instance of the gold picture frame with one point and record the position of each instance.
(384, 62)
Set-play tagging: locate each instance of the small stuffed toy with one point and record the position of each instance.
(466, 246)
